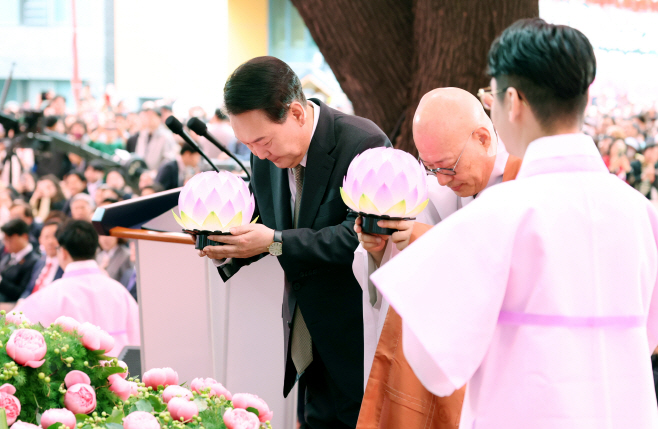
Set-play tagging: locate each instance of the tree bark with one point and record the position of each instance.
(386, 54)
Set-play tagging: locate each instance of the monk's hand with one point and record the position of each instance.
(403, 234)
(244, 242)
(372, 243)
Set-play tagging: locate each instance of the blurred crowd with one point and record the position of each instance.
(626, 135)
(46, 191)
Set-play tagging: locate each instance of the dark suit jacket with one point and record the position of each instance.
(36, 271)
(317, 257)
(119, 263)
(168, 175)
(16, 277)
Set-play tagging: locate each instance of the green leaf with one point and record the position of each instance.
(80, 418)
(144, 405)
(157, 404)
(253, 410)
(3, 419)
(113, 426)
(201, 404)
(55, 426)
(116, 416)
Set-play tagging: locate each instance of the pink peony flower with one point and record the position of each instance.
(12, 406)
(8, 388)
(22, 425)
(16, 318)
(121, 387)
(140, 420)
(174, 391)
(216, 389)
(27, 347)
(76, 377)
(160, 377)
(58, 415)
(237, 418)
(80, 399)
(68, 324)
(94, 338)
(182, 408)
(247, 400)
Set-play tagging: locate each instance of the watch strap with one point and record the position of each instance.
(278, 236)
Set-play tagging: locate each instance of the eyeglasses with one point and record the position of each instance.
(486, 96)
(446, 171)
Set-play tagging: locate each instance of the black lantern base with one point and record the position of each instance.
(369, 223)
(202, 238)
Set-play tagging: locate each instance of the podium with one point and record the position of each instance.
(190, 319)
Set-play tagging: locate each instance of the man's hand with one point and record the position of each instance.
(403, 235)
(373, 244)
(245, 241)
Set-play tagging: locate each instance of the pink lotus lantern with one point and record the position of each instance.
(211, 203)
(384, 183)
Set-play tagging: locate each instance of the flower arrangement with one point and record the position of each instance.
(59, 376)
(211, 203)
(385, 183)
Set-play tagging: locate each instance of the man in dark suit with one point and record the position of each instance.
(173, 174)
(300, 153)
(17, 264)
(47, 268)
(22, 210)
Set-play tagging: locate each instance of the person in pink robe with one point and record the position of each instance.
(84, 292)
(540, 293)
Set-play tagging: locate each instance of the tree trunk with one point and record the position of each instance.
(386, 54)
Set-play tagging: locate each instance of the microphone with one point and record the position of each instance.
(177, 128)
(199, 127)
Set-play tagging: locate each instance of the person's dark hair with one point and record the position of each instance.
(59, 195)
(156, 187)
(51, 121)
(53, 221)
(79, 238)
(57, 215)
(552, 66)
(186, 148)
(109, 201)
(15, 227)
(79, 122)
(27, 208)
(263, 83)
(220, 115)
(76, 173)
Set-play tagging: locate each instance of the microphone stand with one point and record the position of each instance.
(200, 128)
(177, 128)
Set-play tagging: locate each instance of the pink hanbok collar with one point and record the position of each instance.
(81, 268)
(566, 153)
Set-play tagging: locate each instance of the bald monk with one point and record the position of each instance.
(457, 143)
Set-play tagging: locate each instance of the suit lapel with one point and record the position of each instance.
(281, 197)
(319, 165)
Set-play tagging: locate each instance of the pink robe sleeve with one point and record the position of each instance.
(652, 317)
(448, 287)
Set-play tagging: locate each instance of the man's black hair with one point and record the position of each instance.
(15, 227)
(77, 174)
(27, 208)
(552, 66)
(220, 115)
(263, 83)
(51, 121)
(79, 238)
(187, 148)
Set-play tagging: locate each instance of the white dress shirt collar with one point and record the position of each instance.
(18, 256)
(316, 118)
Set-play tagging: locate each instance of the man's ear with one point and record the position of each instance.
(515, 104)
(484, 137)
(298, 112)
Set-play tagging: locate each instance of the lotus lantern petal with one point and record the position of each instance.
(214, 201)
(385, 182)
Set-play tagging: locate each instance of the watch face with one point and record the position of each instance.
(276, 249)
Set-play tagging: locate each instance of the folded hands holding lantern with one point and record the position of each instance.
(245, 241)
(375, 244)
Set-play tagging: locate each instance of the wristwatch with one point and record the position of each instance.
(276, 248)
